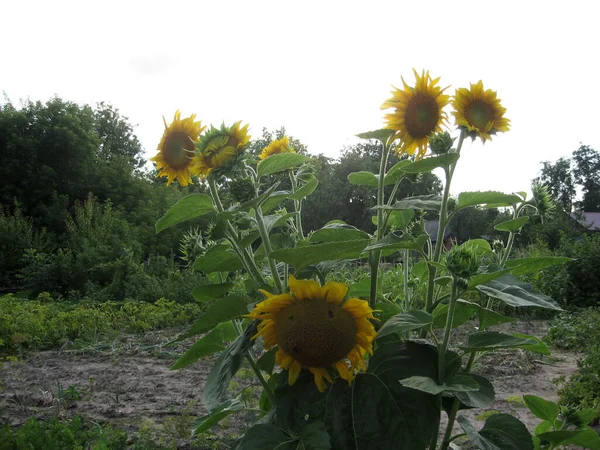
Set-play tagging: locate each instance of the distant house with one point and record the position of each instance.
(432, 227)
(590, 220)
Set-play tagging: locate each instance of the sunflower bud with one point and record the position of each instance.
(498, 246)
(462, 284)
(441, 143)
(462, 262)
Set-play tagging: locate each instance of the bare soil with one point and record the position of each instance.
(131, 385)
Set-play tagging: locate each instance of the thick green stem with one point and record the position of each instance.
(442, 350)
(297, 206)
(405, 267)
(264, 234)
(375, 254)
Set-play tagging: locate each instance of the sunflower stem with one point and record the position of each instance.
(262, 380)
(297, 206)
(444, 347)
(268, 249)
(375, 254)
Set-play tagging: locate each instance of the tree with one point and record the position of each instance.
(558, 178)
(587, 174)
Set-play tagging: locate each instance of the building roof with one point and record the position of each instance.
(590, 220)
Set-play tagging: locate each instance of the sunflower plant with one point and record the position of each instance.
(341, 366)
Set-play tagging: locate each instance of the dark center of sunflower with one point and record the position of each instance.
(174, 149)
(315, 333)
(422, 116)
(479, 114)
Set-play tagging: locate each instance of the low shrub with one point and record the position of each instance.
(575, 331)
(582, 390)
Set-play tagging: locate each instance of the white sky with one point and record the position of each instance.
(321, 69)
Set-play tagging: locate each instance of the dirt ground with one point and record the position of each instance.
(130, 385)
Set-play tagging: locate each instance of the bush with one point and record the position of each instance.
(46, 323)
(575, 331)
(582, 390)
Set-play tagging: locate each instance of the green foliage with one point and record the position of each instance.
(582, 390)
(45, 323)
(74, 434)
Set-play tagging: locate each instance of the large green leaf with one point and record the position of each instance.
(225, 367)
(412, 320)
(524, 266)
(480, 398)
(512, 225)
(463, 311)
(431, 202)
(220, 258)
(396, 172)
(433, 162)
(301, 257)
(277, 220)
(485, 198)
(274, 199)
(333, 232)
(586, 438)
(492, 340)
(227, 308)
(225, 409)
(384, 414)
(486, 277)
(398, 241)
(194, 205)
(363, 178)
(543, 409)
(279, 163)
(459, 383)
(480, 247)
(267, 437)
(514, 292)
(208, 292)
(213, 342)
(500, 432)
(398, 219)
(255, 202)
(306, 189)
(381, 135)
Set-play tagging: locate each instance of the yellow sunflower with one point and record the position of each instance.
(176, 148)
(418, 113)
(277, 146)
(479, 112)
(314, 328)
(220, 147)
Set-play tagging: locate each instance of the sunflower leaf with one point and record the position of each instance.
(301, 257)
(208, 345)
(381, 135)
(306, 189)
(363, 178)
(431, 202)
(222, 411)
(219, 258)
(488, 198)
(500, 432)
(433, 162)
(189, 207)
(279, 163)
(512, 225)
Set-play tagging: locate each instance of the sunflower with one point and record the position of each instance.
(418, 113)
(176, 147)
(314, 328)
(220, 147)
(479, 112)
(277, 146)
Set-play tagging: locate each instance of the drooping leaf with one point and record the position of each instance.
(267, 361)
(398, 241)
(460, 383)
(277, 220)
(486, 277)
(463, 311)
(208, 292)
(338, 232)
(274, 199)
(543, 409)
(212, 343)
(524, 266)
(492, 340)
(279, 163)
(512, 225)
(306, 189)
(412, 320)
(222, 411)
(486, 198)
(363, 178)
(514, 292)
(225, 367)
(227, 308)
(500, 432)
(433, 162)
(430, 202)
(480, 398)
(586, 438)
(219, 258)
(189, 207)
(381, 135)
(301, 257)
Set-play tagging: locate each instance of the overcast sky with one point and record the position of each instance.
(321, 69)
